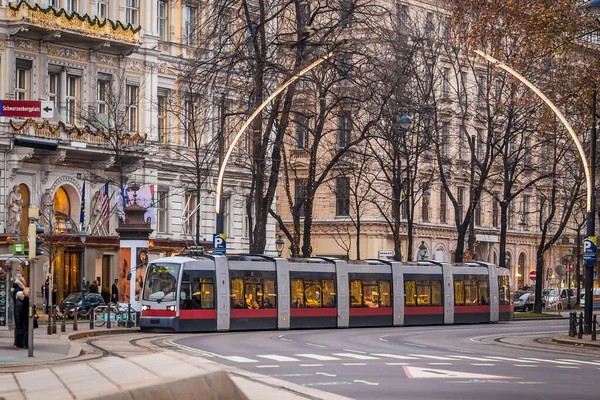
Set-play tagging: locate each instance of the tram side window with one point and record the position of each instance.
(328, 293)
(410, 294)
(313, 293)
(253, 293)
(237, 293)
(459, 293)
(297, 293)
(504, 290)
(471, 293)
(385, 294)
(436, 293)
(484, 293)
(356, 294)
(372, 294)
(196, 293)
(270, 296)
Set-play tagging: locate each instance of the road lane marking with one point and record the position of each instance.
(548, 361)
(484, 365)
(431, 357)
(275, 357)
(418, 372)
(382, 339)
(289, 375)
(512, 359)
(416, 345)
(356, 351)
(525, 365)
(469, 358)
(566, 366)
(315, 345)
(286, 340)
(366, 382)
(325, 374)
(394, 356)
(318, 357)
(353, 364)
(357, 356)
(239, 359)
(267, 366)
(311, 365)
(397, 363)
(581, 362)
(439, 363)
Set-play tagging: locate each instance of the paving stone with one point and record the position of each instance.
(165, 366)
(124, 373)
(8, 384)
(82, 380)
(42, 384)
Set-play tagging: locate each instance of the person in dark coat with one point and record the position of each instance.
(26, 317)
(19, 322)
(94, 287)
(114, 294)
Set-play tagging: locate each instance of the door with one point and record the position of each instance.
(106, 278)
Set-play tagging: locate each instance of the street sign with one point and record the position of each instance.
(590, 244)
(532, 276)
(19, 248)
(219, 244)
(26, 109)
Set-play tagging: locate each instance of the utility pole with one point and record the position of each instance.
(591, 225)
(471, 243)
(219, 224)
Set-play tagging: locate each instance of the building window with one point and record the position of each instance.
(189, 124)
(462, 87)
(304, 17)
(53, 87)
(526, 155)
(132, 10)
(101, 96)
(301, 122)
(446, 82)
(22, 83)
(444, 140)
(429, 25)
(131, 116)
(443, 205)
(511, 210)
(72, 98)
(54, 4)
(342, 197)
(162, 15)
(162, 222)
(189, 214)
(480, 144)
(481, 89)
(345, 66)
(299, 187)
(71, 6)
(346, 11)
(344, 130)
(102, 10)
(495, 210)
(190, 25)
(461, 202)
(226, 211)
(525, 213)
(425, 205)
(163, 134)
(402, 16)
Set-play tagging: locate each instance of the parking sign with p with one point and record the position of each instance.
(590, 244)
(219, 244)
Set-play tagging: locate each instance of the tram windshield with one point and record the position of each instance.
(161, 282)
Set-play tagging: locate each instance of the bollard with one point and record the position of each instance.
(571, 333)
(50, 316)
(54, 321)
(594, 327)
(129, 315)
(580, 332)
(63, 323)
(75, 312)
(91, 315)
(108, 319)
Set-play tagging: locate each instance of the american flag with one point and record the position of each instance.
(105, 202)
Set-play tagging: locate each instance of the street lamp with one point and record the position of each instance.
(569, 263)
(507, 259)
(405, 121)
(279, 243)
(423, 251)
(593, 7)
(82, 237)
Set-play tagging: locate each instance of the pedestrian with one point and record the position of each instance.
(45, 295)
(94, 287)
(18, 286)
(19, 319)
(25, 316)
(87, 287)
(114, 293)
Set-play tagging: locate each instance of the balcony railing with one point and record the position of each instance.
(61, 20)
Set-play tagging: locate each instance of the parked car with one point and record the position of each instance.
(558, 299)
(596, 298)
(525, 302)
(92, 300)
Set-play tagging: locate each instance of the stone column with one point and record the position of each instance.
(10, 69)
(43, 68)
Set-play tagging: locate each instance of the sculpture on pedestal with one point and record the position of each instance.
(15, 208)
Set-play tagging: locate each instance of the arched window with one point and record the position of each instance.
(24, 191)
(62, 211)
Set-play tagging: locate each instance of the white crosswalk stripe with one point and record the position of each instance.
(519, 360)
(317, 357)
(582, 362)
(395, 356)
(239, 359)
(275, 357)
(432, 357)
(469, 358)
(548, 361)
(357, 356)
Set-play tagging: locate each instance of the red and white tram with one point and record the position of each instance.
(252, 292)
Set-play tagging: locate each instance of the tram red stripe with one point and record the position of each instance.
(364, 312)
(313, 312)
(471, 309)
(158, 313)
(431, 310)
(259, 313)
(198, 314)
(507, 308)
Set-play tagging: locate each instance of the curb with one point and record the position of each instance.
(572, 343)
(538, 318)
(93, 333)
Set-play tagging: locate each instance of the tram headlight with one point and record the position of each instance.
(170, 308)
(145, 307)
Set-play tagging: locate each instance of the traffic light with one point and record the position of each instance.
(33, 230)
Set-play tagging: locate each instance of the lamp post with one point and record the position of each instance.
(569, 263)
(279, 243)
(82, 237)
(423, 251)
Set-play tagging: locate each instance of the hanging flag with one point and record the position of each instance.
(120, 200)
(82, 212)
(105, 203)
(145, 198)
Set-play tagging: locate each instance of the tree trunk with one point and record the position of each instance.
(308, 216)
(578, 266)
(503, 229)
(460, 243)
(409, 239)
(539, 273)
(358, 237)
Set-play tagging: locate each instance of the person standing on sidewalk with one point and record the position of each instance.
(114, 294)
(94, 287)
(25, 316)
(20, 330)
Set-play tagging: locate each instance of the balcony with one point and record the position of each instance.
(48, 24)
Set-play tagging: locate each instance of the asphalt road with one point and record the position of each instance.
(447, 362)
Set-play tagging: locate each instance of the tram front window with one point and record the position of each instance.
(161, 282)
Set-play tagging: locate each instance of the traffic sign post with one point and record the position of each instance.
(219, 244)
(27, 109)
(532, 276)
(590, 245)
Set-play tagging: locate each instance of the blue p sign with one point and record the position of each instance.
(590, 244)
(219, 244)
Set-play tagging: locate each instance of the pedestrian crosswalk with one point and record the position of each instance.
(409, 358)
